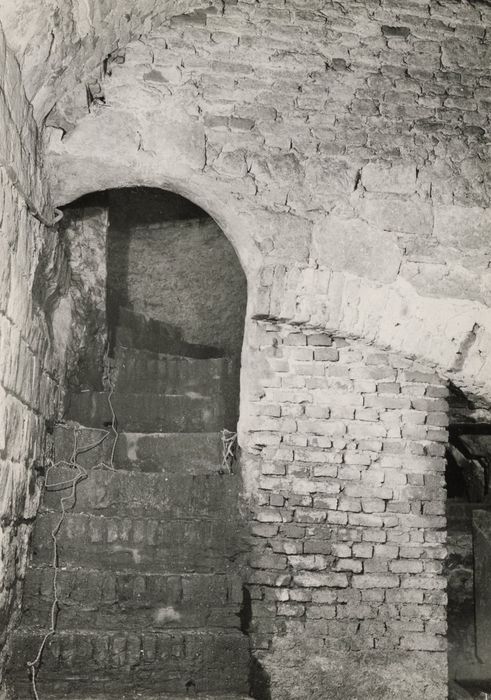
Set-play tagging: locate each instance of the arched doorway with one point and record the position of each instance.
(148, 590)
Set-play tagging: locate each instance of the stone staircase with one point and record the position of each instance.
(150, 596)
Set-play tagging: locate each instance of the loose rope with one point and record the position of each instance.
(229, 450)
(67, 503)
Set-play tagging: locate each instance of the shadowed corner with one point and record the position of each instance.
(259, 680)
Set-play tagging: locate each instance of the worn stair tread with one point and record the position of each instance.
(141, 371)
(89, 630)
(120, 600)
(127, 493)
(173, 660)
(138, 331)
(88, 695)
(137, 695)
(149, 413)
(121, 520)
(131, 572)
(123, 353)
(143, 544)
(201, 587)
(164, 452)
(127, 351)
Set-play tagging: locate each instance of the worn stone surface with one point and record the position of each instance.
(459, 571)
(353, 246)
(375, 674)
(79, 317)
(169, 453)
(150, 589)
(31, 269)
(482, 556)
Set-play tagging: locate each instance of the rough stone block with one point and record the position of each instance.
(354, 246)
(397, 178)
(455, 225)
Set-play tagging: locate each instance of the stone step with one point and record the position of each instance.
(96, 599)
(135, 330)
(108, 662)
(149, 413)
(136, 695)
(139, 544)
(167, 453)
(142, 371)
(133, 494)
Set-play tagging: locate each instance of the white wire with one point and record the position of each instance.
(72, 484)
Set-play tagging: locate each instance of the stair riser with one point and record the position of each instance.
(138, 545)
(101, 600)
(145, 616)
(171, 453)
(121, 494)
(140, 372)
(103, 588)
(148, 413)
(109, 694)
(135, 331)
(212, 662)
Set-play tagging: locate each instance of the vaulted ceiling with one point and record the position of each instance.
(60, 42)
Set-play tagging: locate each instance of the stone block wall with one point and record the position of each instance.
(349, 518)
(183, 272)
(339, 145)
(79, 316)
(28, 367)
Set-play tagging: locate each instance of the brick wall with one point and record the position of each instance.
(28, 368)
(349, 518)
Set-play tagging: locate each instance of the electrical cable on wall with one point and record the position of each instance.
(67, 503)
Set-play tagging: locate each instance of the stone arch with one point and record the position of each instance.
(299, 219)
(232, 225)
(222, 212)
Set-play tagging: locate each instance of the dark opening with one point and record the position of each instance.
(468, 564)
(174, 284)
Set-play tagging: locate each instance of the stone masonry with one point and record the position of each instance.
(29, 370)
(342, 149)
